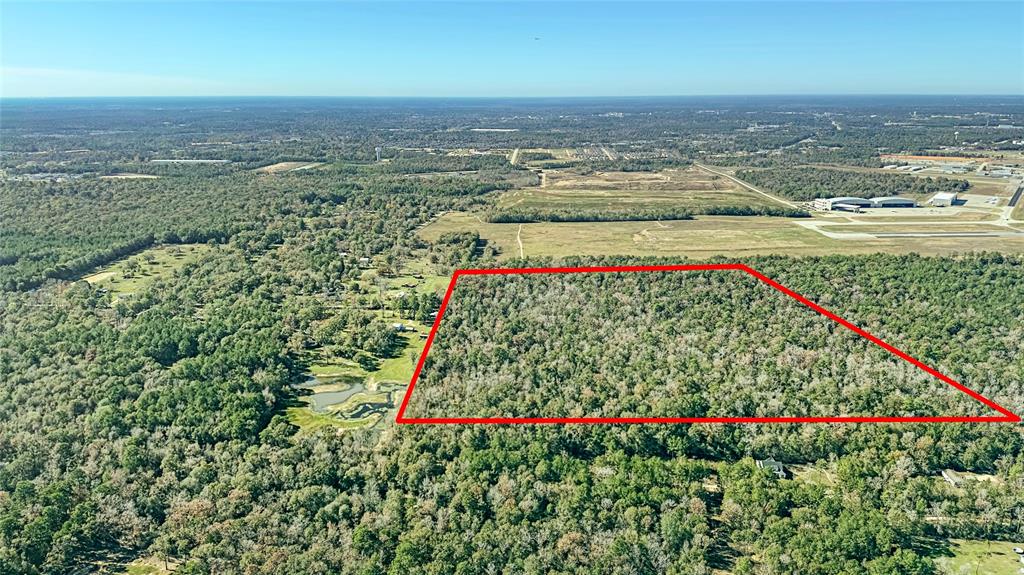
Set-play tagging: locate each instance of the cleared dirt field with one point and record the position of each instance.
(129, 177)
(699, 238)
(677, 188)
(287, 167)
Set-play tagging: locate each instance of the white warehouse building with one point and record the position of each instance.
(850, 203)
(943, 199)
(841, 203)
(893, 202)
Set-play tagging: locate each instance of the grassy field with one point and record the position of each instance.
(1004, 157)
(985, 186)
(124, 278)
(699, 238)
(307, 420)
(142, 566)
(971, 557)
(679, 189)
(812, 474)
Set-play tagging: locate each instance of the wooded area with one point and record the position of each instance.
(154, 424)
(809, 183)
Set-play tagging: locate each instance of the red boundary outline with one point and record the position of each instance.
(1006, 415)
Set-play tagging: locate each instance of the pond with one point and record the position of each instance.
(336, 389)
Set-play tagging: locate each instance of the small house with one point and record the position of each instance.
(775, 467)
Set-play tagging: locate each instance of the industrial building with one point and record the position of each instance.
(943, 199)
(853, 204)
(893, 202)
(845, 203)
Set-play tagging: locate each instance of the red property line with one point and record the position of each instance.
(1006, 414)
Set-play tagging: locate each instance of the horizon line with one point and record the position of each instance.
(532, 97)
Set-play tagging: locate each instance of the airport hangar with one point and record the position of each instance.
(854, 204)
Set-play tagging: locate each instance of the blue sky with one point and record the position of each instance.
(509, 49)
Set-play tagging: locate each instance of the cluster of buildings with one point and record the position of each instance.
(854, 204)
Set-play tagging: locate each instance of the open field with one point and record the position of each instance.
(713, 235)
(699, 238)
(135, 273)
(281, 167)
(985, 185)
(981, 558)
(667, 189)
(1006, 157)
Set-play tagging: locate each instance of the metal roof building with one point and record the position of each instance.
(893, 202)
(943, 199)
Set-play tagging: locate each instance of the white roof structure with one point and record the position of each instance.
(851, 200)
(892, 200)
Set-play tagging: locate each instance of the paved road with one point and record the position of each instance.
(1017, 195)
(748, 186)
(852, 235)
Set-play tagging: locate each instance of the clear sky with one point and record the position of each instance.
(509, 49)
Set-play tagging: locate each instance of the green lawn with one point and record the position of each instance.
(399, 369)
(335, 367)
(972, 557)
(307, 420)
(145, 566)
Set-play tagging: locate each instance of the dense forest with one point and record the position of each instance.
(664, 344)
(807, 183)
(155, 425)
